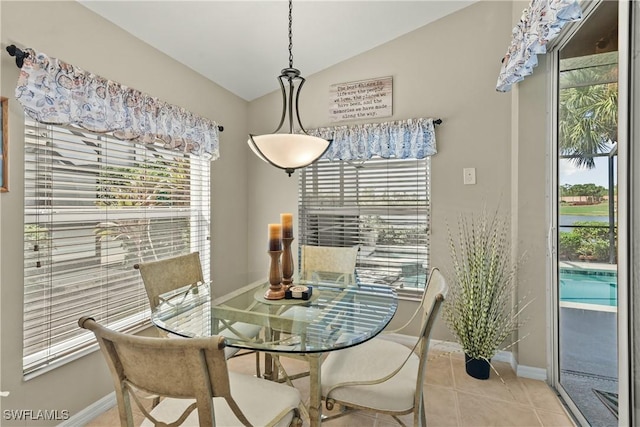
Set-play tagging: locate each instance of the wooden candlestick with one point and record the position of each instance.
(276, 290)
(287, 262)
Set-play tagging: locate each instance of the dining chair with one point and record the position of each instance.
(196, 386)
(381, 375)
(337, 264)
(330, 265)
(166, 275)
(182, 271)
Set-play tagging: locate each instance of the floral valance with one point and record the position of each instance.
(54, 92)
(540, 23)
(407, 139)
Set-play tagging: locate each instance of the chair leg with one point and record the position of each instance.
(423, 416)
(258, 373)
(279, 368)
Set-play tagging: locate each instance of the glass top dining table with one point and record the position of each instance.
(332, 318)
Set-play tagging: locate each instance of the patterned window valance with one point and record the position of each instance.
(540, 23)
(407, 139)
(54, 92)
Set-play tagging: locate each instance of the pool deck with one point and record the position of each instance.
(581, 265)
(588, 351)
(588, 360)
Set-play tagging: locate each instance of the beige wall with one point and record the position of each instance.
(78, 36)
(531, 217)
(447, 70)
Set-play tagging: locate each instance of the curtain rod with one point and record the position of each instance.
(21, 55)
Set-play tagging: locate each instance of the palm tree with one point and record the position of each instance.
(588, 113)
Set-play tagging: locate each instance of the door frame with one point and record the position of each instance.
(623, 265)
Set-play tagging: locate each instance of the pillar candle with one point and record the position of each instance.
(287, 225)
(275, 242)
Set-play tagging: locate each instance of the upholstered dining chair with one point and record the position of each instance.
(382, 375)
(169, 274)
(166, 275)
(329, 263)
(196, 385)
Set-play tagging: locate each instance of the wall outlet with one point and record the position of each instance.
(469, 176)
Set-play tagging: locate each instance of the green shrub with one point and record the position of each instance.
(589, 241)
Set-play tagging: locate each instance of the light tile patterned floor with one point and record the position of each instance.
(452, 398)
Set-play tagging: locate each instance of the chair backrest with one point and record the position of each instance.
(434, 295)
(334, 263)
(194, 368)
(168, 274)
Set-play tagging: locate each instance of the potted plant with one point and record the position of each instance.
(480, 309)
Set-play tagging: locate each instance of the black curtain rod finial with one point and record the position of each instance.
(19, 54)
(220, 128)
(437, 122)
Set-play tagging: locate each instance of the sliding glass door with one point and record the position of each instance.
(590, 345)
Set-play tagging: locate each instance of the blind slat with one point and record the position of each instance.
(94, 206)
(382, 206)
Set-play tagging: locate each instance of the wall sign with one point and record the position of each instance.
(364, 99)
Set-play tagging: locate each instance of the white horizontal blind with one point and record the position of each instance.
(381, 205)
(95, 206)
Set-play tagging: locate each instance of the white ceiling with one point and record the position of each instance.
(243, 45)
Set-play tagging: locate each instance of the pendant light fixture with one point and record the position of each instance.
(289, 151)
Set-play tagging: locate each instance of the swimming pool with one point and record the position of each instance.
(595, 287)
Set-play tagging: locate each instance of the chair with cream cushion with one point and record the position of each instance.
(182, 271)
(328, 263)
(196, 386)
(382, 375)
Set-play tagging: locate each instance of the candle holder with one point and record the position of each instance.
(287, 263)
(276, 290)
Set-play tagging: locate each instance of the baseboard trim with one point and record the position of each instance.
(453, 347)
(532, 372)
(90, 412)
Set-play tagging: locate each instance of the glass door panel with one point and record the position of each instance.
(587, 212)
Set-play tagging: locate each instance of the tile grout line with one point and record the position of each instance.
(528, 394)
(455, 393)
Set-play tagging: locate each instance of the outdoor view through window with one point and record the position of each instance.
(587, 204)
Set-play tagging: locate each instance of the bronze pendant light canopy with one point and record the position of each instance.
(289, 151)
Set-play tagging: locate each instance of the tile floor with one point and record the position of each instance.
(452, 398)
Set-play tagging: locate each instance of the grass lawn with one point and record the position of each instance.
(601, 209)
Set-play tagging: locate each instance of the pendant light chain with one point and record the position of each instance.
(290, 34)
(292, 150)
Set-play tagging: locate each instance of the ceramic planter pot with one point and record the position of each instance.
(477, 368)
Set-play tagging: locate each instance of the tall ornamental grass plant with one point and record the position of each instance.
(481, 309)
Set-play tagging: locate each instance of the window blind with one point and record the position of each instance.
(380, 205)
(95, 206)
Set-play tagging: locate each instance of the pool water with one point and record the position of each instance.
(589, 287)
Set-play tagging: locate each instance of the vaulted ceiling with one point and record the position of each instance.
(242, 45)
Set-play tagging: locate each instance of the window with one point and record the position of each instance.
(380, 205)
(95, 206)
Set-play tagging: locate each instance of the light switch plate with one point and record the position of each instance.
(469, 175)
